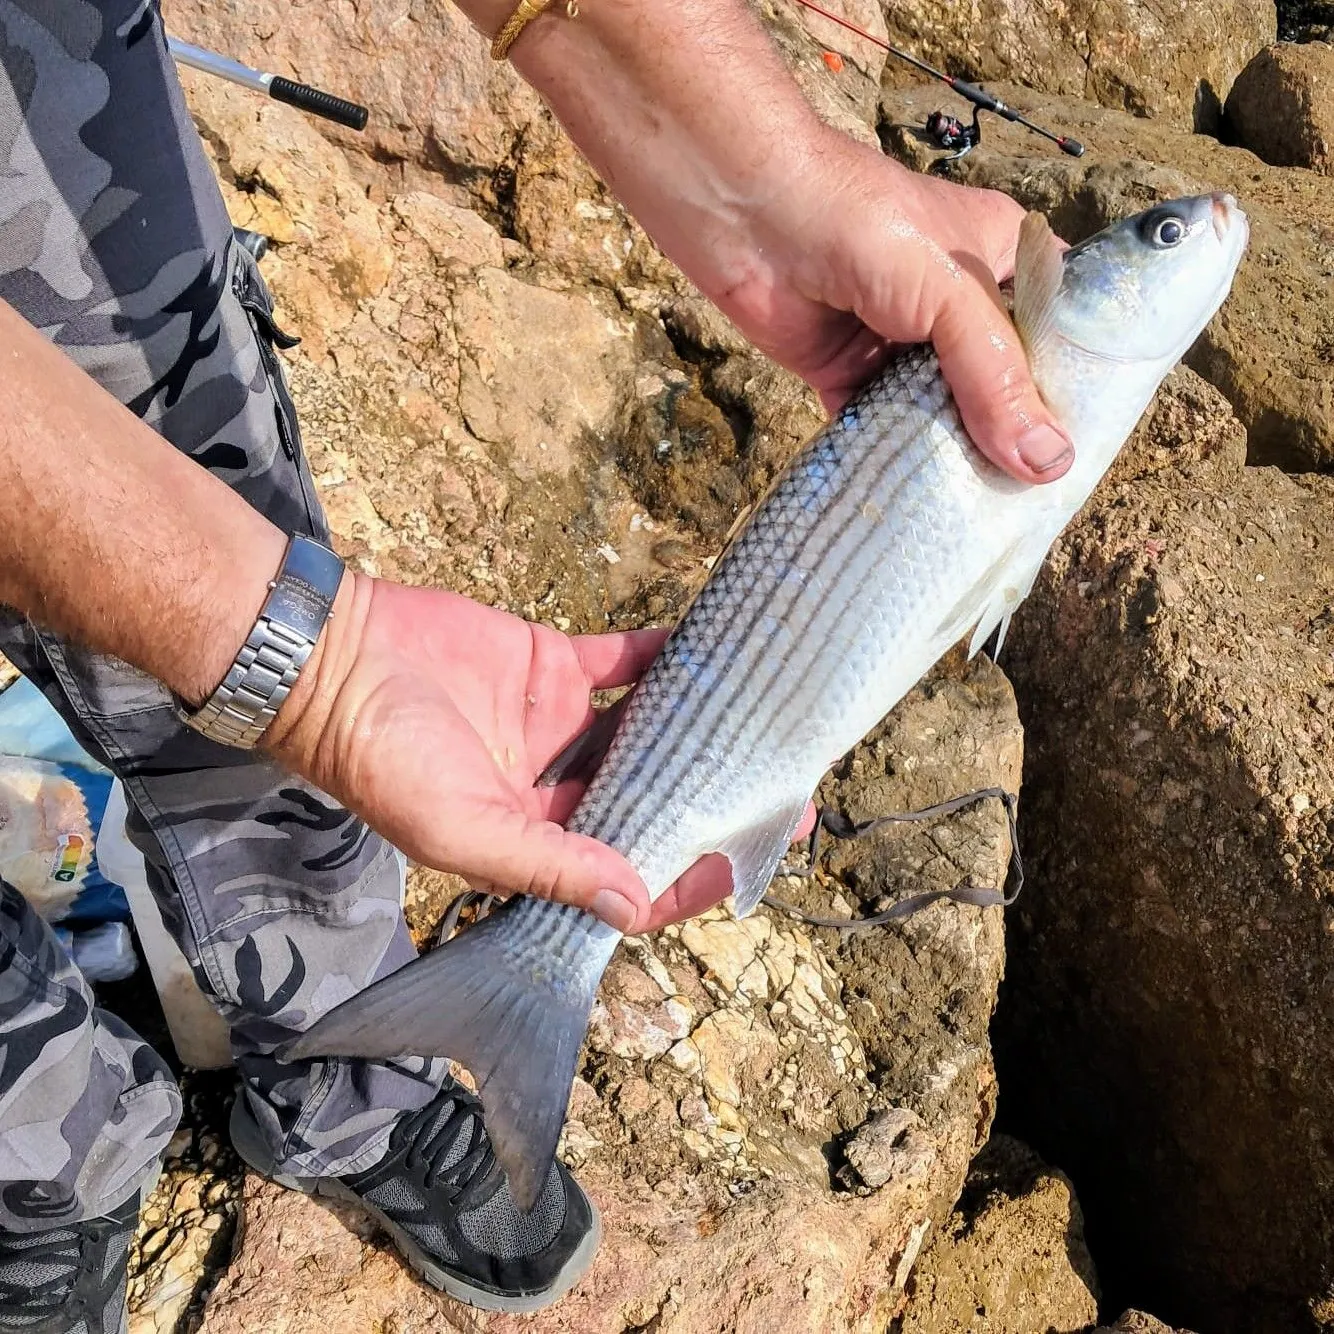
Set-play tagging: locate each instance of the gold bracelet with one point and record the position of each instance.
(527, 11)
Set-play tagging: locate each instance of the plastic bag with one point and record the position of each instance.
(53, 798)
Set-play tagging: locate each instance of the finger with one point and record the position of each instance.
(707, 883)
(555, 803)
(617, 659)
(803, 830)
(987, 369)
(507, 846)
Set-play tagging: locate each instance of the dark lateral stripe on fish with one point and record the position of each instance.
(677, 727)
(731, 721)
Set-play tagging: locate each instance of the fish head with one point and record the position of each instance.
(1143, 289)
(1104, 322)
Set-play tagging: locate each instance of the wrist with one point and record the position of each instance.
(251, 558)
(277, 648)
(301, 734)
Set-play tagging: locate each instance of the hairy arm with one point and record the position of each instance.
(113, 538)
(821, 251)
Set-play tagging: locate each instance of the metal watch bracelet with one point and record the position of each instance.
(300, 601)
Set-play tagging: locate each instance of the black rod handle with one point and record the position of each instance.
(318, 102)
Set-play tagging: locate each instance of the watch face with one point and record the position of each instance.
(306, 588)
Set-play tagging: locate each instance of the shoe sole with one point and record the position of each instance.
(254, 1152)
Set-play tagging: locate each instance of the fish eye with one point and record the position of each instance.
(1168, 232)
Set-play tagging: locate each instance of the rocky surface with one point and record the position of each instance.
(1176, 61)
(1282, 106)
(1176, 670)
(1010, 1259)
(1136, 1322)
(1269, 349)
(188, 1224)
(1305, 20)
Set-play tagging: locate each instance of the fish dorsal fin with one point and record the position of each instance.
(756, 851)
(1038, 267)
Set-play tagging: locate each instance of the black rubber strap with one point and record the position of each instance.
(840, 827)
(318, 102)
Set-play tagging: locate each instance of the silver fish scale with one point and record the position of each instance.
(821, 615)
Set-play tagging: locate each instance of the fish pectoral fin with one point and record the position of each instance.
(992, 600)
(581, 758)
(755, 852)
(981, 606)
(1039, 265)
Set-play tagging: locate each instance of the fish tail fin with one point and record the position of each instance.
(509, 999)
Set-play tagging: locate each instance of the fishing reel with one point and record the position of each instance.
(950, 133)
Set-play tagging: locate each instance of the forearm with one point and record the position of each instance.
(684, 109)
(113, 538)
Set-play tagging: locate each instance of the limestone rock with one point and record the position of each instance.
(436, 97)
(1175, 61)
(1282, 106)
(1136, 1322)
(889, 1144)
(1011, 1258)
(187, 1225)
(1267, 348)
(1170, 978)
(635, 1018)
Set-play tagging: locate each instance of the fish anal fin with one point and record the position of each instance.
(1038, 267)
(1016, 581)
(756, 851)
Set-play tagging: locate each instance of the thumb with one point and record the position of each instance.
(519, 852)
(987, 370)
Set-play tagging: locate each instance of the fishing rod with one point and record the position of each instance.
(301, 95)
(948, 131)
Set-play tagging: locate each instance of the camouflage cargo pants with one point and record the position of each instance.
(115, 243)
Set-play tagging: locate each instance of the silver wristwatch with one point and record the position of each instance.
(300, 601)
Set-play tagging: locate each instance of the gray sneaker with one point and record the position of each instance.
(441, 1195)
(68, 1280)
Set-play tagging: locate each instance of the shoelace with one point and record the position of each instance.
(435, 1147)
(25, 1256)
